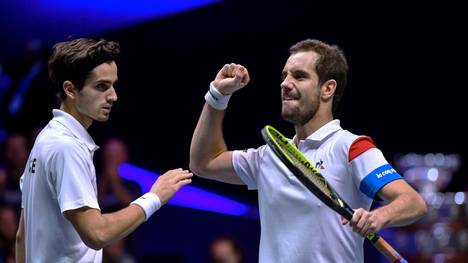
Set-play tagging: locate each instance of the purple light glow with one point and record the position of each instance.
(52, 21)
(189, 196)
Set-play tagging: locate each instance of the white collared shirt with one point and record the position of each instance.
(58, 176)
(295, 225)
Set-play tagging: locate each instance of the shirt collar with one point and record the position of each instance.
(75, 127)
(324, 131)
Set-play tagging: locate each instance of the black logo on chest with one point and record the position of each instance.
(319, 165)
(32, 166)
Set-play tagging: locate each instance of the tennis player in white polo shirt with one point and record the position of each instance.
(295, 225)
(61, 220)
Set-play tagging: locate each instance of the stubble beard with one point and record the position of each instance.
(297, 116)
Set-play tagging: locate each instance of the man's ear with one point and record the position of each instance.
(69, 89)
(328, 89)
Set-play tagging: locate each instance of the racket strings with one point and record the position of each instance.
(306, 167)
(318, 181)
(301, 163)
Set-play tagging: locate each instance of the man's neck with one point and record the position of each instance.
(70, 109)
(317, 122)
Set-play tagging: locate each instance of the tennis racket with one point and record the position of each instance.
(298, 164)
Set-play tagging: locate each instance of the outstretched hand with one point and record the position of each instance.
(169, 183)
(231, 78)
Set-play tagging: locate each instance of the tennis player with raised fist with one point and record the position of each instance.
(295, 225)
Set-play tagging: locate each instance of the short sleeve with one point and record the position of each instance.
(370, 168)
(247, 163)
(73, 178)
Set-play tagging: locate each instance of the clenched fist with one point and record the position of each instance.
(231, 78)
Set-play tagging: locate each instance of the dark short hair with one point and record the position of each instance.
(74, 60)
(330, 65)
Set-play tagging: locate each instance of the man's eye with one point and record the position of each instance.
(299, 76)
(101, 87)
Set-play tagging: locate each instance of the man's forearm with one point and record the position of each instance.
(404, 207)
(209, 156)
(98, 230)
(208, 140)
(119, 224)
(404, 210)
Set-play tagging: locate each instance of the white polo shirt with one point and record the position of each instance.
(59, 176)
(295, 225)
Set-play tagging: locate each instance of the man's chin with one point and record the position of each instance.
(102, 118)
(288, 116)
(294, 118)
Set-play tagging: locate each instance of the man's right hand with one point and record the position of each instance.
(231, 78)
(169, 183)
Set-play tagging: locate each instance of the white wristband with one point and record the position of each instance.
(216, 99)
(149, 202)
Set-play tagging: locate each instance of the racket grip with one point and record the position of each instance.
(386, 249)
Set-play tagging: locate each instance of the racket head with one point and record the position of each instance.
(305, 171)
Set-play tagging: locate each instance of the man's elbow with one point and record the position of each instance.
(198, 168)
(416, 207)
(95, 240)
(422, 207)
